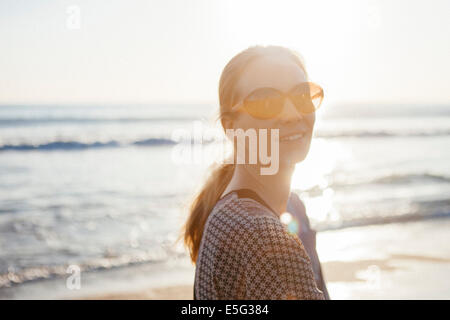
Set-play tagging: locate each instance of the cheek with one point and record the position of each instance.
(269, 124)
(245, 122)
(311, 119)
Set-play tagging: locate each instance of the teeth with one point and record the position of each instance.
(293, 137)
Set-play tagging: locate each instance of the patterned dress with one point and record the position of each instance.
(247, 253)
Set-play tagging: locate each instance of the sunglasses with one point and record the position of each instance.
(267, 103)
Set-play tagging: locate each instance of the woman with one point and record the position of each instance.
(234, 233)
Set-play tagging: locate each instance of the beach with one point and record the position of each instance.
(392, 261)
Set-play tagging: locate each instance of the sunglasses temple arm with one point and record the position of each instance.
(236, 107)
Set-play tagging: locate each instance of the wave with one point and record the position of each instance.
(13, 122)
(158, 141)
(15, 277)
(394, 179)
(76, 145)
(154, 142)
(58, 145)
(409, 178)
(424, 210)
(398, 179)
(17, 122)
(380, 134)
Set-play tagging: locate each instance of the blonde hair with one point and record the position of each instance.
(220, 176)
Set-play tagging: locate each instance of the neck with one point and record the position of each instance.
(273, 189)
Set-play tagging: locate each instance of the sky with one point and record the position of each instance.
(173, 51)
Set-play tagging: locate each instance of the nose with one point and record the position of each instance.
(290, 112)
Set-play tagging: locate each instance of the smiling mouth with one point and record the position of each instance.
(294, 136)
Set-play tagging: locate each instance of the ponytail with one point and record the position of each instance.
(202, 205)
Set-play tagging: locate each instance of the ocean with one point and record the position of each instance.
(101, 186)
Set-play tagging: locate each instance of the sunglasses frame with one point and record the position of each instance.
(283, 95)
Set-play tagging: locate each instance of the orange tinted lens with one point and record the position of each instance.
(264, 104)
(264, 109)
(307, 97)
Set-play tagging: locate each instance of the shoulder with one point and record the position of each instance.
(273, 238)
(277, 265)
(246, 213)
(234, 221)
(296, 207)
(295, 203)
(254, 225)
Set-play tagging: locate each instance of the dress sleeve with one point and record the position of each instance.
(278, 267)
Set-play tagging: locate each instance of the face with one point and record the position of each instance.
(281, 73)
